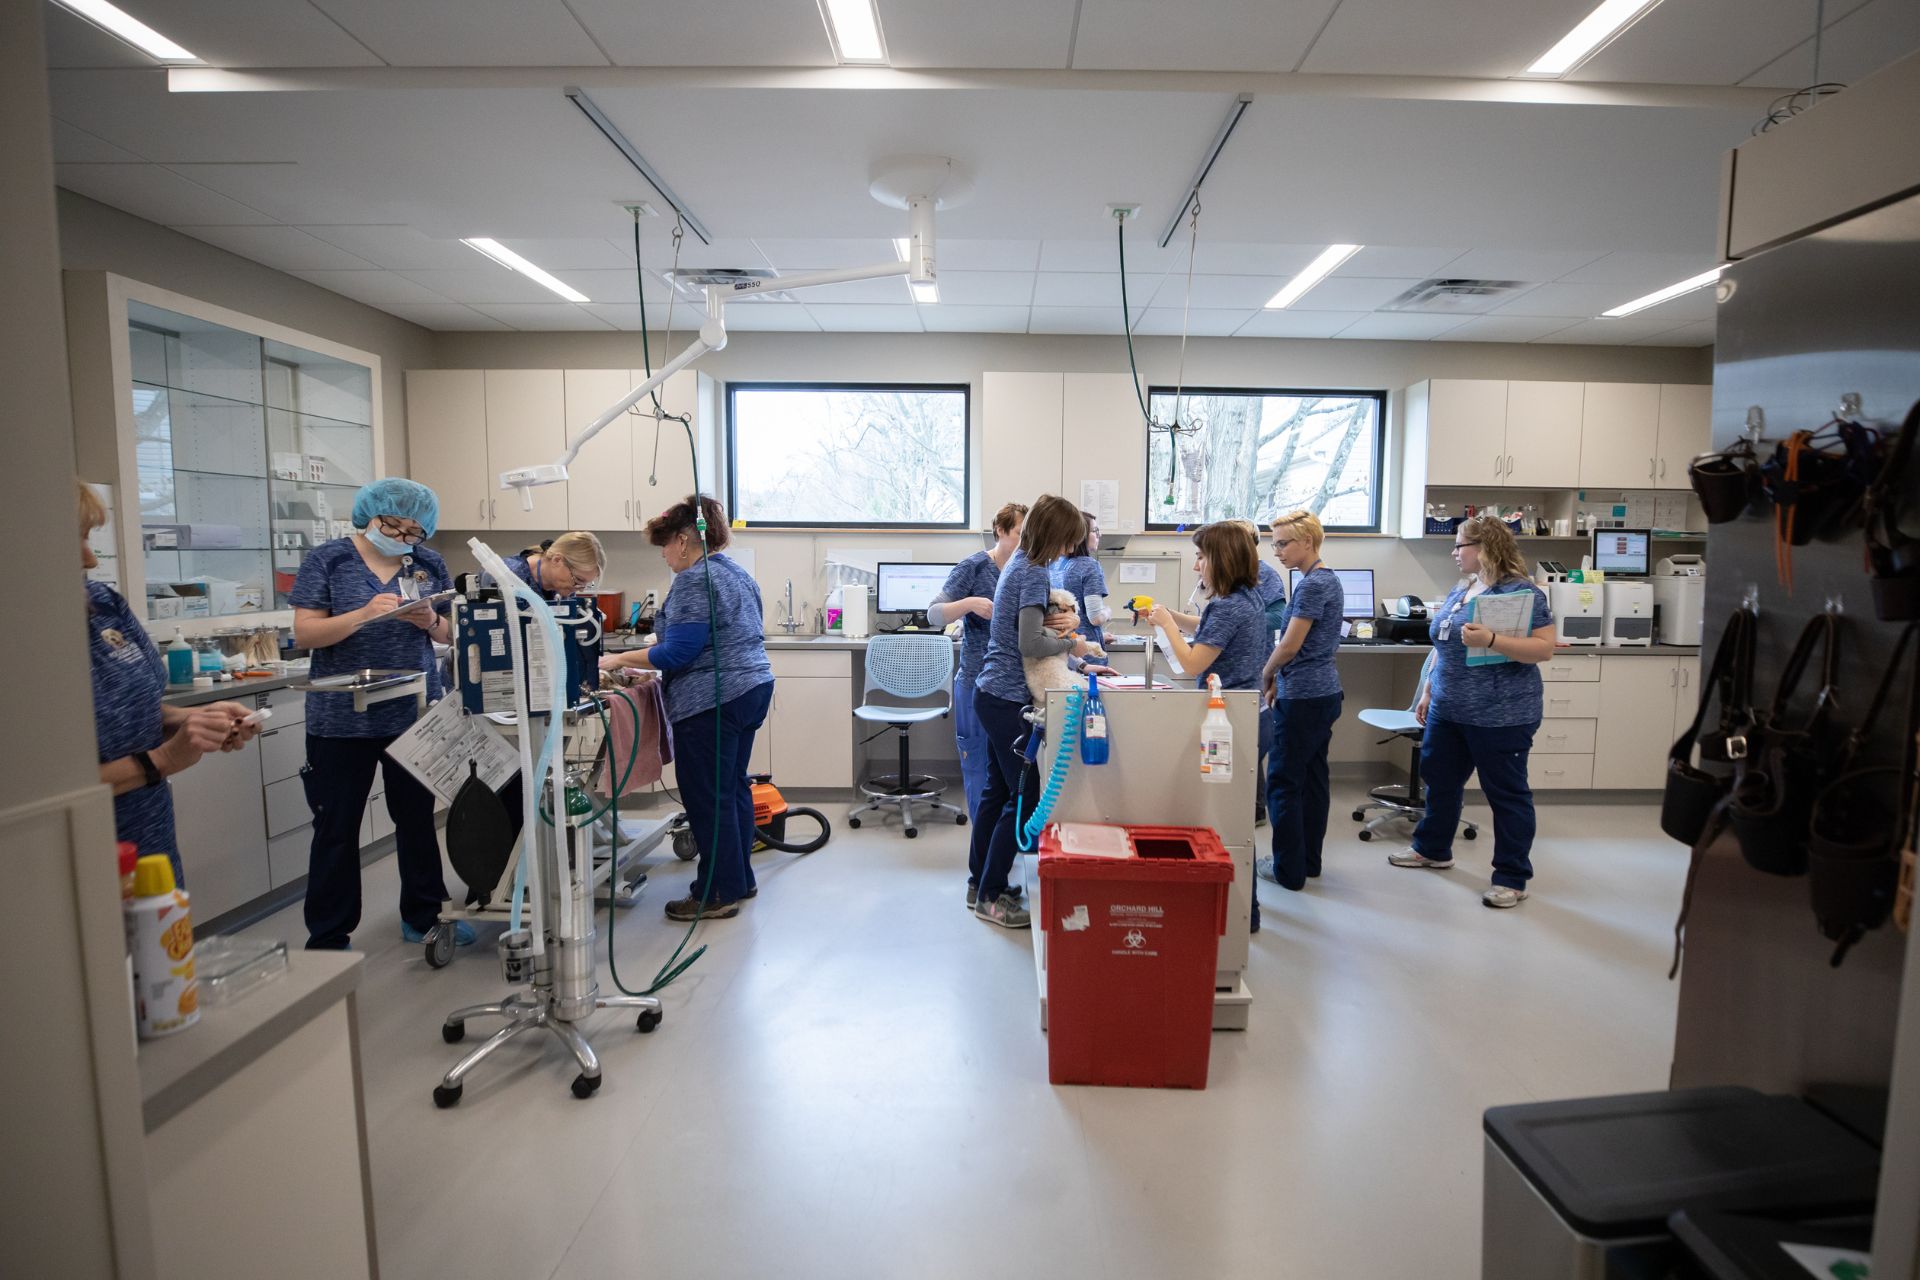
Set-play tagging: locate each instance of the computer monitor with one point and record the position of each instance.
(908, 587)
(1356, 583)
(1623, 553)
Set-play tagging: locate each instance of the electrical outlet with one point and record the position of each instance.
(1123, 211)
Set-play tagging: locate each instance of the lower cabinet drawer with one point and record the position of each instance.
(287, 806)
(1555, 773)
(1570, 700)
(282, 752)
(1565, 737)
(287, 855)
(1570, 666)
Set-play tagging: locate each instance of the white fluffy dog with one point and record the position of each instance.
(1052, 672)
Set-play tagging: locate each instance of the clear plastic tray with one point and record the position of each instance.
(228, 968)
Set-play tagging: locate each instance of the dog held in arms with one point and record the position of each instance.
(1052, 672)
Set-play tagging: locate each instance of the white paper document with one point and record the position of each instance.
(1507, 614)
(442, 742)
(1138, 571)
(1102, 497)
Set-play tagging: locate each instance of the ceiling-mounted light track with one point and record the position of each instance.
(1240, 105)
(1592, 34)
(612, 134)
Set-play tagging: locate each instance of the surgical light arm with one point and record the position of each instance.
(918, 267)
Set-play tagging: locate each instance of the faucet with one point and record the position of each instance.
(791, 622)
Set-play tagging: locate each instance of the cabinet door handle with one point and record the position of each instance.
(482, 513)
(1651, 464)
(1672, 678)
(1686, 678)
(1509, 465)
(1499, 461)
(490, 511)
(1663, 468)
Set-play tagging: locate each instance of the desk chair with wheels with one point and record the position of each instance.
(1394, 802)
(906, 666)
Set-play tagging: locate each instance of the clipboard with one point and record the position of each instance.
(424, 602)
(1506, 614)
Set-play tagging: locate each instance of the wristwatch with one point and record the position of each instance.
(148, 767)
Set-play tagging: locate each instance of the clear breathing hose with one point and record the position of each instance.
(1029, 832)
(526, 883)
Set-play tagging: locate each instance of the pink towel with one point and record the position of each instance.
(655, 737)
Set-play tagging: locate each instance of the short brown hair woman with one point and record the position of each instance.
(967, 595)
(711, 621)
(1482, 707)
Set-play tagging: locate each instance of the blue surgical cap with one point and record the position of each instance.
(399, 498)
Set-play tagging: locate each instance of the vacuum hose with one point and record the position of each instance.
(799, 846)
(1029, 832)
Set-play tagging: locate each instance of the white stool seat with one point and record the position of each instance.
(1391, 720)
(898, 715)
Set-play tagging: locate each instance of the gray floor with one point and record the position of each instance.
(852, 1080)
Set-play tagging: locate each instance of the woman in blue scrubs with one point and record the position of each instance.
(568, 565)
(142, 741)
(711, 617)
(1302, 685)
(340, 598)
(1081, 574)
(968, 595)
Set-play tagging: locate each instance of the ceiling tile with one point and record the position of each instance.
(1642, 271)
(987, 255)
(657, 252)
(1405, 326)
(1352, 293)
(1609, 333)
(771, 316)
(946, 318)
(544, 316)
(1441, 37)
(1297, 324)
(283, 248)
(1698, 333)
(447, 317)
(467, 33)
(1226, 292)
(1090, 289)
(1710, 41)
(72, 41)
(825, 255)
(981, 33)
(613, 285)
(1529, 265)
(570, 255)
(394, 245)
(1200, 323)
(1220, 35)
(1244, 259)
(1858, 43)
(375, 288)
(1104, 255)
(278, 189)
(156, 194)
(480, 285)
(1701, 304)
(1573, 301)
(707, 33)
(623, 315)
(890, 291)
(72, 144)
(1382, 261)
(256, 33)
(844, 318)
(1074, 320)
(1505, 329)
(987, 288)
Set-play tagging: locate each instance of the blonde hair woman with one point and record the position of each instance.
(1481, 708)
(569, 565)
(1301, 686)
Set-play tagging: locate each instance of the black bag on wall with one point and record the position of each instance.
(1788, 763)
(1692, 791)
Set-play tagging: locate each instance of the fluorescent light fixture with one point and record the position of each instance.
(904, 247)
(854, 29)
(1316, 271)
(925, 294)
(513, 261)
(1590, 36)
(1667, 294)
(129, 28)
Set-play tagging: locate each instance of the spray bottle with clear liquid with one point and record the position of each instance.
(1216, 737)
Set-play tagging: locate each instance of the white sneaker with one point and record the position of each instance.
(1412, 857)
(1264, 868)
(1502, 896)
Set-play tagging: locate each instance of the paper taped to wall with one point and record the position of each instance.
(1102, 497)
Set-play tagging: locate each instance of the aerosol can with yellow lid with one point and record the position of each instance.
(160, 929)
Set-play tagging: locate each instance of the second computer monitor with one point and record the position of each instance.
(908, 587)
(1356, 583)
(1623, 553)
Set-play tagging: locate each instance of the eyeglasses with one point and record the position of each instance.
(1458, 545)
(394, 529)
(1281, 544)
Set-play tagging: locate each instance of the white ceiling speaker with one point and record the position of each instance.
(899, 179)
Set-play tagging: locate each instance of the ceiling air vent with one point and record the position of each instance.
(692, 282)
(1454, 295)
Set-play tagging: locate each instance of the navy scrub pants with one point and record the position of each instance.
(990, 857)
(1297, 785)
(1448, 753)
(338, 776)
(976, 757)
(697, 744)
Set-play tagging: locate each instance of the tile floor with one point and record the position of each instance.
(852, 1081)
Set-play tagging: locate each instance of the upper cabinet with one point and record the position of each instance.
(1686, 431)
(526, 424)
(1620, 445)
(1544, 434)
(447, 442)
(1465, 429)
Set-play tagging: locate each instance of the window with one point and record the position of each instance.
(1253, 453)
(852, 455)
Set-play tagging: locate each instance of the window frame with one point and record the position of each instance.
(1379, 496)
(963, 525)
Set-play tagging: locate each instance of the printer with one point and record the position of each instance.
(1404, 620)
(1579, 611)
(1628, 619)
(1679, 598)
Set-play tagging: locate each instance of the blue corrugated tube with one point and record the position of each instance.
(1027, 833)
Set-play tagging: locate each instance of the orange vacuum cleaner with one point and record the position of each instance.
(770, 814)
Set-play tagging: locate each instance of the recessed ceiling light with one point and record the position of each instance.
(119, 23)
(1667, 294)
(1316, 271)
(925, 294)
(513, 261)
(1590, 36)
(854, 29)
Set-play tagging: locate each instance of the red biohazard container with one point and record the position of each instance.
(1132, 944)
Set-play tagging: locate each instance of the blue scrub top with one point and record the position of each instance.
(977, 575)
(1321, 600)
(735, 619)
(1498, 694)
(1083, 577)
(129, 678)
(334, 579)
(1235, 624)
(1023, 585)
